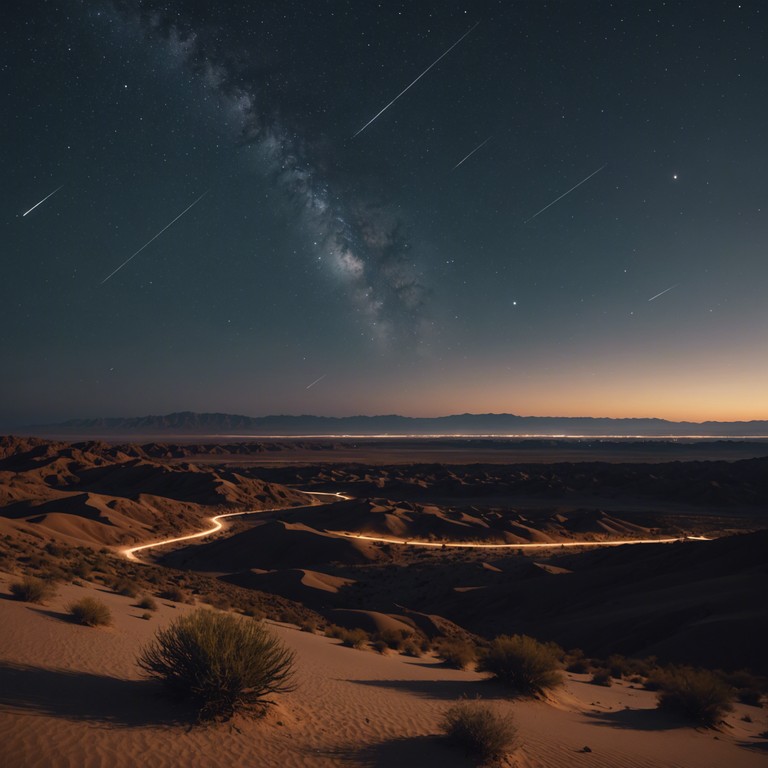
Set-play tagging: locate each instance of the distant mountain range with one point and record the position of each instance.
(224, 424)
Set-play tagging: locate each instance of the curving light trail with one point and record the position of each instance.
(537, 545)
(130, 552)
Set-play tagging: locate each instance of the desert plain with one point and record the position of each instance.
(387, 569)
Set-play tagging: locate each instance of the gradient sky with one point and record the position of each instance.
(412, 282)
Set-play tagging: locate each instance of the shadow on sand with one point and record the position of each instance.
(638, 720)
(404, 752)
(446, 690)
(87, 696)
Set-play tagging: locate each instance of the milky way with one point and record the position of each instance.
(362, 242)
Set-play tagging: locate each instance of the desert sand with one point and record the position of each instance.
(73, 696)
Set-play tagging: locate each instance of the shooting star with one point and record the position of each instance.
(41, 202)
(663, 292)
(381, 112)
(479, 146)
(154, 238)
(565, 193)
(316, 381)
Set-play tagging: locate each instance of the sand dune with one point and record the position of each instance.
(101, 495)
(70, 696)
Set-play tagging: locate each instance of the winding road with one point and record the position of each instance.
(217, 525)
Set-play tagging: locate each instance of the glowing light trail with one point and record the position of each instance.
(382, 111)
(663, 292)
(316, 381)
(565, 193)
(41, 202)
(153, 239)
(479, 146)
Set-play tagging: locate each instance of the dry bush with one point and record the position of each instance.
(601, 677)
(126, 587)
(394, 638)
(91, 612)
(456, 653)
(223, 663)
(479, 729)
(174, 594)
(147, 603)
(696, 694)
(523, 663)
(410, 648)
(32, 590)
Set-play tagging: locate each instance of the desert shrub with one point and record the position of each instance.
(619, 666)
(174, 594)
(54, 549)
(523, 663)
(147, 603)
(91, 612)
(354, 638)
(82, 569)
(126, 587)
(456, 653)
(410, 648)
(380, 646)
(655, 680)
(601, 677)
(32, 590)
(394, 638)
(335, 631)
(146, 616)
(578, 666)
(223, 663)
(479, 729)
(696, 694)
(308, 625)
(751, 696)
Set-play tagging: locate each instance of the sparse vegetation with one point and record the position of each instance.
(696, 694)
(126, 587)
(174, 594)
(601, 677)
(223, 663)
(147, 603)
(91, 612)
(479, 729)
(456, 653)
(32, 590)
(522, 663)
(348, 637)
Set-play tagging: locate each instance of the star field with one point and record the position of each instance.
(564, 214)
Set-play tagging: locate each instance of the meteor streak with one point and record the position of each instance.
(663, 292)
(381, 112)
(41, 202)
(564, 194)
(317, 380)
(479, 146)
(154, 238)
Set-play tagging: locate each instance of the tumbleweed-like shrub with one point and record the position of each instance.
(222, 663)
(523, 663)
(91, 612)
(479, 729)
(32, 590)
(696, 694)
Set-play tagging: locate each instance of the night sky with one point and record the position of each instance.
(336, 271)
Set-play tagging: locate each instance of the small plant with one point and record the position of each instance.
(456, 653)
(380, 647)
(410, 648)
(223, 663)
(91, 612)
(479, 729)
(696, 694)
(523, 663)
(354, 638)
(146, 616)
(126, 587)
(32, 590)
(601, 677)
(174, 594)
(751, 696)
(147, 603)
